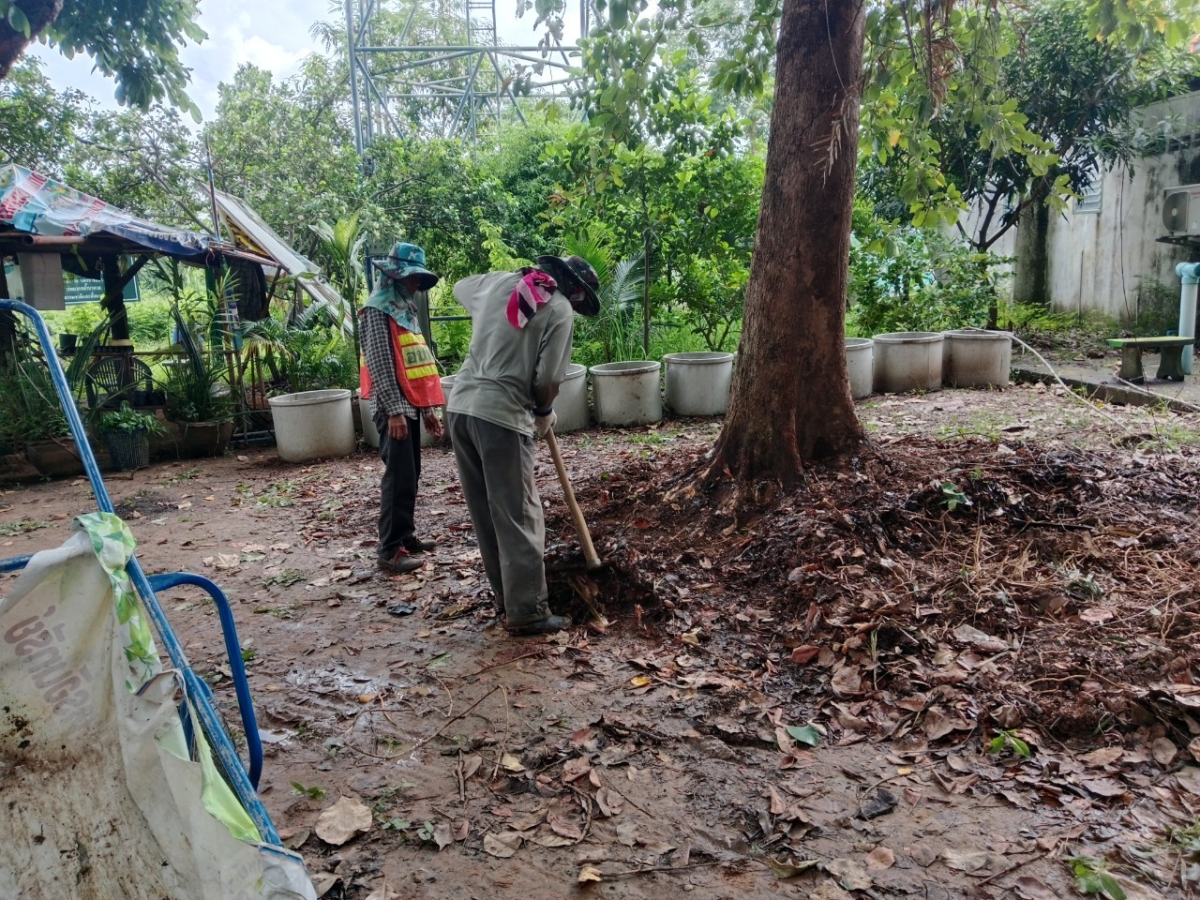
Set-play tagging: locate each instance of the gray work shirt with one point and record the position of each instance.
(510, 371)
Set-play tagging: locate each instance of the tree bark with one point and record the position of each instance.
(40, 14)
(791, 401)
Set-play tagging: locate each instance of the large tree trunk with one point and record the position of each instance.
(791, 399)
(40, 13)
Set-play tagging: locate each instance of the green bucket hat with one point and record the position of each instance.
(405, 260)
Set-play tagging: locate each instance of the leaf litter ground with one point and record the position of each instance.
(946, 670)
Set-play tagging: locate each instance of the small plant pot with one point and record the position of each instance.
(129, 449)
(67, 343)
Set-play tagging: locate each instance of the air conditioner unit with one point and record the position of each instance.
(1181, 209)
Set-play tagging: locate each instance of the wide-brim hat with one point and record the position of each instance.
(406, 260)
(580, 271)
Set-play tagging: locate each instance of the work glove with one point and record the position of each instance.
(543, 424)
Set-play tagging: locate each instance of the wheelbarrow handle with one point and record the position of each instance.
(585, 536)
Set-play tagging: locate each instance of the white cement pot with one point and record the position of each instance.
(698, 383)
(977, 358)
(313, 424)
(860, 361)
(627, 393)
(370, 432)
(908, 361)
(571, 405)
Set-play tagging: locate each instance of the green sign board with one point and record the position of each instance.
(78, 290)
(89, 290)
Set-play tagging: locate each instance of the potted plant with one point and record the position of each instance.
(197, 401)
(127, 433)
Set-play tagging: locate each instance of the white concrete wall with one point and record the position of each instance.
(1095, 259)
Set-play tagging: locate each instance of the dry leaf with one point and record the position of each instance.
(976, 638)
(463, 829)
(1104, 787)
(850, 874)
(547, 838)
(627, 832)
(880, 858)
(511, 763)
(828, 890)
(1189, 779)
(471, 765)
(1194, 749)
(589, 874)
(1102, 757)
(564, 827)
(323, 882)
(343, 820)
(846, 681)
(802, 656)
(443, 835)
(1164, 751)
(939, 723)
(1097, 615)
(1029, 888)
(969, 860)
(609, 801)
(502, 845)
(923, 856)
(576, 768)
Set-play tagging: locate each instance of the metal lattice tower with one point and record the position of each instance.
(454, 88)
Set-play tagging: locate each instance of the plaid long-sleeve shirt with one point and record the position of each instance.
(387, 397)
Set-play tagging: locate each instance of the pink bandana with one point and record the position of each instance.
(533, 292)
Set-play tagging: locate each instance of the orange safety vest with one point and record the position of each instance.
(416, 370)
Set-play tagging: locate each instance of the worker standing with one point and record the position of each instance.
(400, 376)
(503, 395)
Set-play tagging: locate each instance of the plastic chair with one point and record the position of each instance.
(111, 379)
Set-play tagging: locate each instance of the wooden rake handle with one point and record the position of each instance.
(585, 536)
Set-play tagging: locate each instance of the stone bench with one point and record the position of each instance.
(1170, 359)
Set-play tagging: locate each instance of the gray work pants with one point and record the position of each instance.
(495, 467)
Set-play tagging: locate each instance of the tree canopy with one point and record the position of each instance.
(134, 42)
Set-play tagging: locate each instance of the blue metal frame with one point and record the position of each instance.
(222, 747)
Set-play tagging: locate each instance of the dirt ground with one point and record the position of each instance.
(961, 667)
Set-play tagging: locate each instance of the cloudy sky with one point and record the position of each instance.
(272, 34)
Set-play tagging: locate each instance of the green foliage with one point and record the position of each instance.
(308, 353)
(129, 421)
(1008, 740)
(313, 793)
(134, 42)
(953, 496)
(37, 123)
(1092, 877)
(1157, 308)
(195, 391)
(904, 278)
(615, 334)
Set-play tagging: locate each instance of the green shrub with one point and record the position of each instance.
(904, 278)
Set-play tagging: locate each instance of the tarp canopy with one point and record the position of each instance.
(35, 204)
(251, 233)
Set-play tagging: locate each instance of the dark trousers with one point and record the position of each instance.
(398, 500)
(495, 468)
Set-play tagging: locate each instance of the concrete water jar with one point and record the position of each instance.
(908, 361)
(313, 425)
(369, 431)
(571, 405)
(973, 358)
(698, 383)
(860, 361)
(627, 393)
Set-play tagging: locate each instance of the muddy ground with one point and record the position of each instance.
(959, 667)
